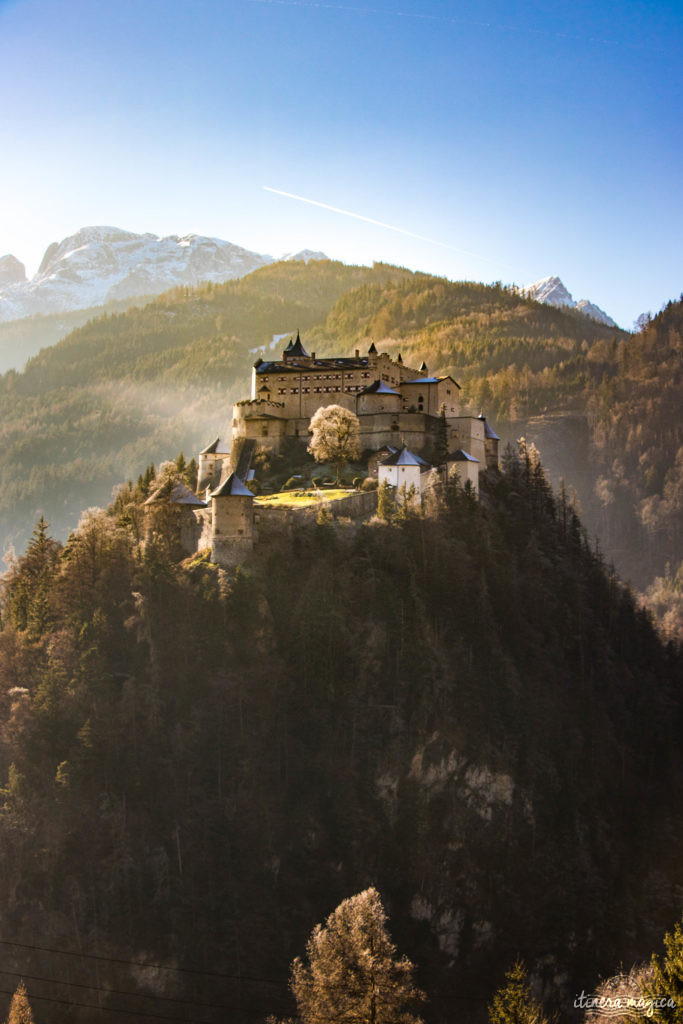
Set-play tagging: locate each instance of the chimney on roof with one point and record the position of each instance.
(357, 353)
(399, 360)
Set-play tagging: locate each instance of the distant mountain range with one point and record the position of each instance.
(100, 265)
(552, 292)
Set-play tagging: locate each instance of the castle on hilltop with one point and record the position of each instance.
(394, 403)
(405, 416)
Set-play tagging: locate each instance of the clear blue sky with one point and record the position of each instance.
(540, 137)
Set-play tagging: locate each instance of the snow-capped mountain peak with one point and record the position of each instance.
(100, 264)
(12, 271)
(552, 292)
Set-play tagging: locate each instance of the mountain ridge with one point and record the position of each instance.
(102, 264)
(552, 292)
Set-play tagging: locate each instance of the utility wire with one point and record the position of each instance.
(131, 1013)
(119, 991)
(177, 970)
(141, 963)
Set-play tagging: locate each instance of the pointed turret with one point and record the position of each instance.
(423, 367)
(296, 349)
(372, 351)
(232, 487)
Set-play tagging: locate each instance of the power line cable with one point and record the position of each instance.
(141, 963)
(119, 991)
(131, 1013)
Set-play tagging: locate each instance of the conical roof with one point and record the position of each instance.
(378, 387)
(177, 493)
(403, 457)
(232, 487)
(211, 448)
(461, 456)
(489, 432)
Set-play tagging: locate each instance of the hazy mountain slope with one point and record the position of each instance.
(21, 339)
(141, 386)
(133, 388)
(103, 270)
(466, 712)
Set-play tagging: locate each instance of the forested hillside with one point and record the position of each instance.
(127, 389)
(603, 406)
(466, 711)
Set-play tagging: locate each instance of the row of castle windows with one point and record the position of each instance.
(335, 388)
(322, 376)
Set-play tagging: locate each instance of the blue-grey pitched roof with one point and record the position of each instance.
(211, 448)
(489, 432)
(177, 494)
(432, 380)
(461, 456)
(378, 387)
(232, 487)
(216, 448)
(290, 365)
(403, 457)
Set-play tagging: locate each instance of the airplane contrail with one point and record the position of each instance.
(382, 224)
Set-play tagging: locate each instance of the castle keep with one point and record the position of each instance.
(405, 416)
(395, 404)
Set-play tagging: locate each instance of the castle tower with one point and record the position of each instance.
(232, 522)
(491, 440)
(210, 465)
(377, 398)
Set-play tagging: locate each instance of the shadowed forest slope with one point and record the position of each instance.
(467, 711)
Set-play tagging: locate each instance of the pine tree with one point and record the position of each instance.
(441, 440)
(385, 502)
(353, 973)
(20, 1008)
(514, 1003)
(665, 983)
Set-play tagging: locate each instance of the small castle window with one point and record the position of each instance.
(264, 430)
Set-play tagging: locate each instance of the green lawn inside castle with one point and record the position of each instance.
(323, 436)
